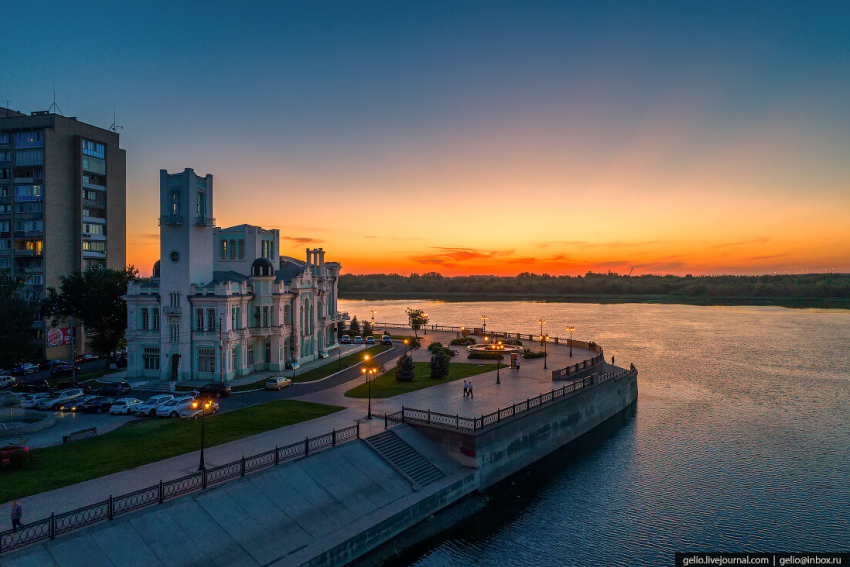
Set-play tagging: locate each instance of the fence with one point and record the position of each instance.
(475, 424)
(58, 524)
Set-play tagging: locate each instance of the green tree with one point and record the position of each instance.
(440, 364)
(340, 328)
(434, 347)
(404, 369)
(417, 319)
(18, 308)
(94, 298)
(367, 328)
(355, 326)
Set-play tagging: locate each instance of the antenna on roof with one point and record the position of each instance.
(54, 105)
(115, 125)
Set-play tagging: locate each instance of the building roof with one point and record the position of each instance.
(288, 270)
(228, 276)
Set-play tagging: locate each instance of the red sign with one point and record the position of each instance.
(59, 336)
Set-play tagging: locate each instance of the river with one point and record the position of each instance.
(740, 440)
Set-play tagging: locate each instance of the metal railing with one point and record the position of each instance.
(475, 424)
(58, 524)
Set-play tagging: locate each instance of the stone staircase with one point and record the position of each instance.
(405, 459)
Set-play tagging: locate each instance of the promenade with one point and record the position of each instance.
(447, 398)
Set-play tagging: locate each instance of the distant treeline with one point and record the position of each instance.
(816, 289)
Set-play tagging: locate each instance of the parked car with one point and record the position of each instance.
(64, 369)
(8, 453)
(77, 404)
(87, 358)
(6, 381)
(23, 369)
(370, 340)
(116, 389)
(98, 405)
(124, 405)
(345, 339)
(29, 401)
(53, 401)
(31, 386)
(386, 340)
(216, 390)
(358, 340)
(73, 385)
(198, 408)
(278, 383)
(172, 408)
(148, 407)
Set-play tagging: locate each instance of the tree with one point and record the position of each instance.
(18, 308)
(367, 328)
(355, 326)
(440, 364)
(413, 343)
(404, 369)
(417, 319)
(340, 328)
(94, 298)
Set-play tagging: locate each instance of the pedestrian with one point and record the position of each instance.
(517, 365)
(465, 388)
(470, 389)
(17, 514)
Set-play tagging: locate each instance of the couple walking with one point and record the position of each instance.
(467, 389)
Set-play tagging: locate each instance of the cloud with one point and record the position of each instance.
(449, 257)
(767, 257)
(148, 236)
(759, 240)
(302, 239)
(394, 237)
(585, 244)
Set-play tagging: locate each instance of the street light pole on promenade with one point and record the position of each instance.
(545, 339)
(204, 407)
(571, 329)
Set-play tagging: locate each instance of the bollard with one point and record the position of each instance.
(161, 492)
(243, 466)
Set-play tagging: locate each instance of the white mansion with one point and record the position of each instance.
(222, 302)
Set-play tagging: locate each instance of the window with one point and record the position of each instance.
(28, 193)
(232, 249)
(155, 326)
(4, 138)
(34, 280)
(210, 319)
(93, 149)
(29, 157)
(89, 246)
(5, 173)
(30, 226)
(175, 332)
(24, 208)
(199, 319)
(29, 140)
(175, 202)
(89, 228)
(150, 358)
(241, 249)
(233, 358)
(33, 246)
(174, 297)
(5, 244)
(206, 360)
(175, 256)
(89, 195)
(267, 249)
(4, 226)
(256, 315)
(5, 263)
(268, 351)
(4, 191)
(250, 354)
(5, 155)
(224, 250)
(202, 205)
(287, 314)
(233, 318)
(94, 165)
(265, 316)
(145, 319)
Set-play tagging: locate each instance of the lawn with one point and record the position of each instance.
(145, 441)
(333, 367)
(386, 386)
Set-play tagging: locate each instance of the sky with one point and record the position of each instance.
(473, 137)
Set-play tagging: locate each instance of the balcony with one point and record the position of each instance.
(204, 221)
(171, 310)
(27, 252)
(93, 254)
(94, 220)
(174, 220)
(28, 233)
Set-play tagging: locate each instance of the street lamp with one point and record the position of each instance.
(368, 371)
(406, 342)
(541, 321)
(205, 405)
(372, 311)
(498, 361)
(544, 339)
(425, 324)
(484, 318)
(571, 329)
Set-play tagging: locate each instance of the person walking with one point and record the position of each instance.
(470, 389)
(17, 514)
(465, 388)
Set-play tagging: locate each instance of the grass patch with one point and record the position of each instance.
(146, 441)
(333, 367)
(386, 386)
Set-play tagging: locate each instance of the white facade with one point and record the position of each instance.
(223, 303)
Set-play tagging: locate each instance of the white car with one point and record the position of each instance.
(148, 407)
(193, 412)
(277, 383)
(6, 381)
(53, 401)
(29, 401)
(124, 405)
(172, 408)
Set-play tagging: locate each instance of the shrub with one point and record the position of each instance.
(463, 341)
(531, 354)
(404, 369)
(449, 352)
(434, 347)
(18, 458)
(440, 364)
(476, 354)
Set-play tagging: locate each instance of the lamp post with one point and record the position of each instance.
(368, 371)
(545, 339)
(541, 321)
(406, 342)
(498, 361)
(205, 405)
(372, 311)
(484, 318)
(425, 324)
(571, 329)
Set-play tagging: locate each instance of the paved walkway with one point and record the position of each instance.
(447, 398)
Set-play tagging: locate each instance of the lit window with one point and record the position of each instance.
(93, 149)
(29, 140)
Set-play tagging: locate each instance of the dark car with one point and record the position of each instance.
(69, 385)
(64, 369)
(87, 358)
(98, 405)
(386, 340)
(32, 386)
(215, 389)
(23, 369)
(117, 389)
(8, 453)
